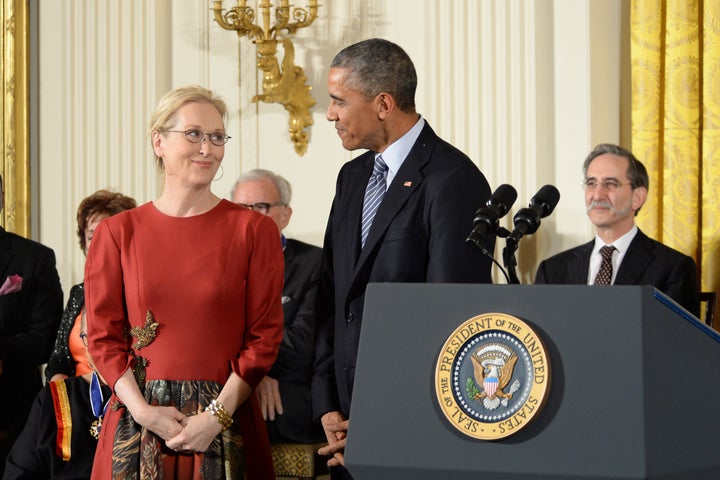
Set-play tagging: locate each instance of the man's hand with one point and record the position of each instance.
(268, 392)
(336, 428)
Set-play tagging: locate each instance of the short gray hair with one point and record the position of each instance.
(282, 185)
(636, 171)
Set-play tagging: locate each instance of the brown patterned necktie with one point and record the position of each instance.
(604, 275)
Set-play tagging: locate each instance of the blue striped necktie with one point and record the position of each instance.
(374, 194)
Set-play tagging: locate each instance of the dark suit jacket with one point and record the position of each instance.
(647, 262)
(294, 365)
(28, 324)
(418, 235)
(28, 320)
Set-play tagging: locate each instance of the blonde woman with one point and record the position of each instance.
(184, 314)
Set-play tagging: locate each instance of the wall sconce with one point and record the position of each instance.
(284, 84)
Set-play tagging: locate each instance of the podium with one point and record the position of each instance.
(634, 393)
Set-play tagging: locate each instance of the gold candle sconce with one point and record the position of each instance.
(283, 83)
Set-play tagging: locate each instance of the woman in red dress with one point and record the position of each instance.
(184, 314)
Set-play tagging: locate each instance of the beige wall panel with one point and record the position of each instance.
(100, 73)
(586, 103)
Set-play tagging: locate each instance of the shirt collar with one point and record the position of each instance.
(396, 153)
(621, 244)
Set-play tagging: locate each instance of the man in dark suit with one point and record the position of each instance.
(30, 307)
(616, 186)
(429, 191)
(284, 393)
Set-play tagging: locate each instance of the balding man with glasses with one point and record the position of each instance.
(616, 186)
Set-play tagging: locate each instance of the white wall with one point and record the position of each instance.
(524, 87)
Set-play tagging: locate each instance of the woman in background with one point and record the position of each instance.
(184, 314)
(68, 356)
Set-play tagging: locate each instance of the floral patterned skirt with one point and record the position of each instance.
(137, 453)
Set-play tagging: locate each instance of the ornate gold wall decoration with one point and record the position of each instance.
(284, 82)
(14, 137)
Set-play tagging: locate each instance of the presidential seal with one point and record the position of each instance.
(492, 376)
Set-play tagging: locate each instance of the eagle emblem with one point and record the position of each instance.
(493, 366)
(492, 376)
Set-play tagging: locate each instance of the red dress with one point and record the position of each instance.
(200, 296)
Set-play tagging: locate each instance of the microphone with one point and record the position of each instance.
(527, 220)
(486, 218)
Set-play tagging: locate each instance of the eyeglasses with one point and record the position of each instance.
(608, 185)
(196, 136)
(262, 207)
(83, 337)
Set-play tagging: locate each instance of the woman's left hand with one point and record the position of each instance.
(197, 433)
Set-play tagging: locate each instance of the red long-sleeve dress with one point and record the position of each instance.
(183, 302)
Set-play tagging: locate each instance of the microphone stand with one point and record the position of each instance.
(509, 260)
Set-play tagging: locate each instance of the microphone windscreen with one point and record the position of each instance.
(504, 197)
(547, 198)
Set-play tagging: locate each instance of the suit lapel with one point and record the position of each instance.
(579, 266)
(290, 263)
(352, 207)
(639, 255)
(406, 181)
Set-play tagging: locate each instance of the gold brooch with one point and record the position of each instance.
(145, 335)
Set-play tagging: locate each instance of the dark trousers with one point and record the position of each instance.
(340, 473)
(8, 437)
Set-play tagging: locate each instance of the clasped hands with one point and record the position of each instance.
(336, 427)
(181, 433)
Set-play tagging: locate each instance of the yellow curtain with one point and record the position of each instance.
(675, 54)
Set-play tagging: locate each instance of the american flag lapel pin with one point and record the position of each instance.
(407, 183)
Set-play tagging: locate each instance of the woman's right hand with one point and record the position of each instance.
(58, 376)
(165, 422)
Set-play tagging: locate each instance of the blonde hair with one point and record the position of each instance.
(163, 118)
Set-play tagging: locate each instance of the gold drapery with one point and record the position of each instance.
(675, 52)
(14, 140)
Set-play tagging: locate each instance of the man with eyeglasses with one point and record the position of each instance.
(285, 392)
(616, 185)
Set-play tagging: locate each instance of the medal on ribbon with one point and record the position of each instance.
(98, 407)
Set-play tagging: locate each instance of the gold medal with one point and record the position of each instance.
(95, 428)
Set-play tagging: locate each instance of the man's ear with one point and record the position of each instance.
(385, 105)
(639, 195)
(285, 217)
